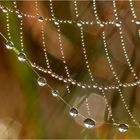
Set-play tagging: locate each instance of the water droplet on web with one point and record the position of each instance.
(56, 23)
(117, 24)
(89, 123)
(138, 21)
(73, 112)
(101, 25)
(9, 45)
(123, 127)
(41, 81)
(79, 24)
(40, 19)
(21, 57)
(19, 15)
(5, 10)
(55, 93)
(139, 32)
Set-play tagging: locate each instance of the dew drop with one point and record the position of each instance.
(19, 15)
(5, 10)
(89, 123)
(101, 25)
(123, 127)
(79, 24)
(41, 81)
(56, 23)
(139, 32)
(55, 93)
(9, 45)
(22, 57)
(138, 21)
(73, 112)
(117, 24)
(40, 19)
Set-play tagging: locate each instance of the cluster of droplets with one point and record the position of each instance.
(42, 82)
(135, 19)
(129, 65)
(74, 82)
(123, 127)
(118, 24)
(88, 122)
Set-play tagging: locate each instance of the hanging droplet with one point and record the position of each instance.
(117, 24)
(22, 57)
(56, 23)
(55, 93)
(9, 45)
(41, 81)
(19, 15)
(89, 123)
(101, 25)
(79, 24)
(5, 10)
(73, 112)
(40, 19)
(138, 21)
(123, 127)
(139, 32)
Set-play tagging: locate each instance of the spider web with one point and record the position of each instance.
(68, 79)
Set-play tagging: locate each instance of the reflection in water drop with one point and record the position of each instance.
(41, 81)
(73, 112)
(55, 93)
(40, 19)
(21, 57)
(89, 123)
(9, 45)
(123, 127)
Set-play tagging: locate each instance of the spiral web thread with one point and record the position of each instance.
(80, 24)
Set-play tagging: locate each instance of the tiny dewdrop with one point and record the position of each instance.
(9, 45)
(123, 127)
(42, 81)
(139, 32)
(40, 19)
(89, 123)
(79, 24)
(117, 24)
(73, 112)
(4, 10)
(19, 15)
(55, 93)
(22, 57)
(138, 21)
(56, 23)
(101, 25)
